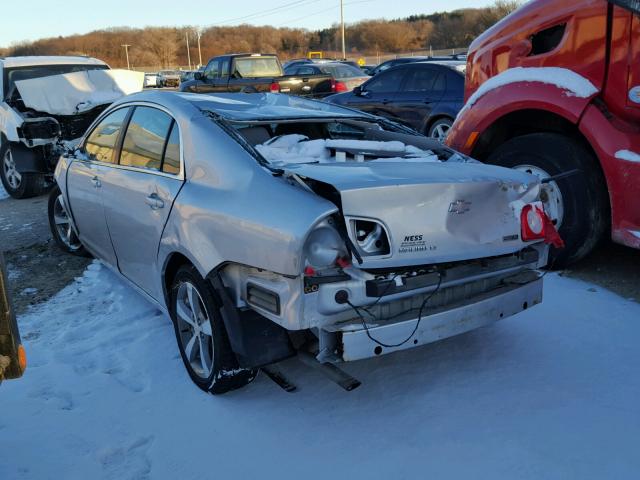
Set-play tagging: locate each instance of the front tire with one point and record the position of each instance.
(582, 197)
(201, 335)
(60, 224)
(18, 185)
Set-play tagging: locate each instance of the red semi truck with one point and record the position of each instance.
(555, 88)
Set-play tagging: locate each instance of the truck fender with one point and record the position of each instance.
(474, 119)
(9, 123)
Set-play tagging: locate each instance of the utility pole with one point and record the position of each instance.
(126, 51)
(188, 52)
(344, 48)
(199, 51)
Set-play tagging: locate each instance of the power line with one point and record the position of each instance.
(288, 22)
(266, 13)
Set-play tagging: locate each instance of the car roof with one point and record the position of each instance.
(28, 61)
(245, 106)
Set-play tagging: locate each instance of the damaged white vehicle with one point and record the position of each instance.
(46, 105)
(269, 226)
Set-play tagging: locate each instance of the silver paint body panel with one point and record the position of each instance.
(225, 210)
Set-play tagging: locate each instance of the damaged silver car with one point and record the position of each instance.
(46, 104)
(269, 226)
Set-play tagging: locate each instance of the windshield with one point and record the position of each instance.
(38, 71)
(341, 71)
(254, 67)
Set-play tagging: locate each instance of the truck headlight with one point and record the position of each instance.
(323, 247)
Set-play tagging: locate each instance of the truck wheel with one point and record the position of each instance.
(18, 185)
(440, 128)
(60, 225)
(202, 337)
(579, 203)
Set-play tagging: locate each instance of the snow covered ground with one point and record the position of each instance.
(551, 393)
(3, 192)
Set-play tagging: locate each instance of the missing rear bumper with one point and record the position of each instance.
(481, 310)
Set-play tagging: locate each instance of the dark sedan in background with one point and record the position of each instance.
(345, 77)
(425, 96)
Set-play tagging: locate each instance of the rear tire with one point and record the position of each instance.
(584, 196)
(60, 225)
(18, 185)
(440, 128)
(201, 335)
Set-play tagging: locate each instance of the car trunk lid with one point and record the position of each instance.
(431, 212)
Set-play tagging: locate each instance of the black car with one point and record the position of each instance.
(425, 96)
(402, 60)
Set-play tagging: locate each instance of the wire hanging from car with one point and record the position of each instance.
(415, 329)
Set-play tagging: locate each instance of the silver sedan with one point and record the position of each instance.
(268, 226)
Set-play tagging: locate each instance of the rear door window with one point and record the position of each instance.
(102, 141)
(144, 141)
(420, 80)
(171, 163)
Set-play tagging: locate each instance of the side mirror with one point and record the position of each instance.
(357, 91)
(198, 76)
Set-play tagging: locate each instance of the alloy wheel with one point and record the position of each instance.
(440, 132)
(63, 225)
(13, 177)
(194, 326)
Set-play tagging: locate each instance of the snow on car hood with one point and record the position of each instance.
(72, 93)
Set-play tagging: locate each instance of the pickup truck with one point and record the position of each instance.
(254, 72)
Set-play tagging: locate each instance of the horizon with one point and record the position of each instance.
(304, 14)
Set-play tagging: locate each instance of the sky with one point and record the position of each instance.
(35, 19)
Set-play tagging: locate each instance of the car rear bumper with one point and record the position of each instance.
(518, 293)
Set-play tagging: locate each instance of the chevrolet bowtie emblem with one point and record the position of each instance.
(459, 206)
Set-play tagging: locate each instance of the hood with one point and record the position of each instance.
(73, 93)
(431, 212)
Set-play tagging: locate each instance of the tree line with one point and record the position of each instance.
(165, 47)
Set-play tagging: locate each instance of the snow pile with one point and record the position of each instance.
(550, 393)
(295, 148)
(569, 81)
(628, 155)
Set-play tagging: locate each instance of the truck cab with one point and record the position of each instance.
(554, 89)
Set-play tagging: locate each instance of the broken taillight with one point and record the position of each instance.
(536, 225)
(532, 223)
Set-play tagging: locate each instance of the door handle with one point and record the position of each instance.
(154, 201)
(96, 182)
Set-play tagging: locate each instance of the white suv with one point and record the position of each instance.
(45, 104)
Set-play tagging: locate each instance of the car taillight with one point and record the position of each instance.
(532, 222)
(275, 87)
(340, 87)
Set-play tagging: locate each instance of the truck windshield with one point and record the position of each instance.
(255, 67)
(38, 71)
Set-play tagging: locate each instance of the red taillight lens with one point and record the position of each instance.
(275, 87)
(341, 87)
(532, 221)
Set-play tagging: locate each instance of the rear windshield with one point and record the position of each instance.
(254, 67)
(341, 71)
(38, 71)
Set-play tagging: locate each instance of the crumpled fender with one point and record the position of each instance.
(512, 97)
(10, 121)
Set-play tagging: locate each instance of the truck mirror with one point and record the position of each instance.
(632, 5)
(198, 76)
